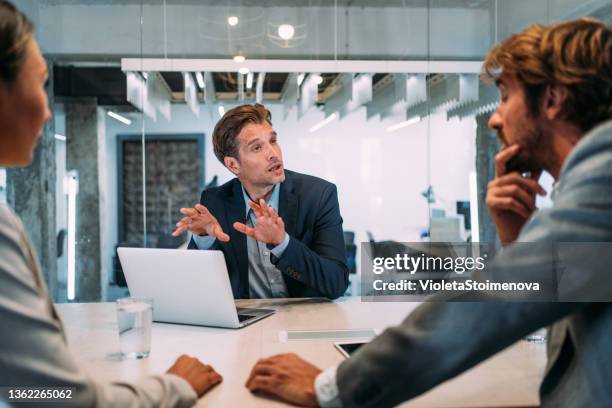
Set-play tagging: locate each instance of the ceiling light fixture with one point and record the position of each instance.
(221, 110)
(249, 81)
(60, 137)
(286, 31)
(324, 122)
(232, 20)
(318, 79)
(200, 79)
(243, 70)
(120, 118)
(403, 124)
(239, 58)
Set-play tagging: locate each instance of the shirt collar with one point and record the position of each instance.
(272, 201)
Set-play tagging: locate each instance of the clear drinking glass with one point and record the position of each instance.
(135, 319)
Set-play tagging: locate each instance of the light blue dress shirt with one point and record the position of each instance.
(265, 280)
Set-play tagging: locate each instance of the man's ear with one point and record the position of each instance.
(232, 164)
(554, 97)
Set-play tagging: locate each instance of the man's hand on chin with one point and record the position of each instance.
(286, 377)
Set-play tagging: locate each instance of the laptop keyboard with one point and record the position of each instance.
(243, 317)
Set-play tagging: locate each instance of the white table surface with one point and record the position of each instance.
(509, 379)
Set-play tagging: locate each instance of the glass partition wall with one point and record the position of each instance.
(381, 98)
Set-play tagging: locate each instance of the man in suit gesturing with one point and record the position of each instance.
(280, 231)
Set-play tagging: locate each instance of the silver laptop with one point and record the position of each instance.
(187, 286)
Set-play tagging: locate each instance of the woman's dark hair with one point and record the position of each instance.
(15, 32)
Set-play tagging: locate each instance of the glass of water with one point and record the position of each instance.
(135, 319)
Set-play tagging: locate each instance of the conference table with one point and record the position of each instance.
(308, 327)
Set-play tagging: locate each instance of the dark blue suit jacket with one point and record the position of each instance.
(314, 262)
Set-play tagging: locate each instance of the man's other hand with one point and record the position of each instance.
(270, 228)
(511, 197)
(198, 220)
(286, 377)
(200, 376)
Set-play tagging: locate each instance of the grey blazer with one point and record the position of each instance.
(440, 340)
(33, 349)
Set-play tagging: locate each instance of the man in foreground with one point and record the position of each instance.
(556, 91)
(280, 231)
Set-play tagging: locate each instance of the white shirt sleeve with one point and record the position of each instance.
(326, 389)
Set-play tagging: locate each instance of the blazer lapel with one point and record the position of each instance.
(235, 211)
(288, 205)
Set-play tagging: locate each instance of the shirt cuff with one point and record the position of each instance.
(326, 389)
(278, 250)
(203, 242)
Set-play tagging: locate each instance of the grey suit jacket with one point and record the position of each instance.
(440, 340)
(33, 350)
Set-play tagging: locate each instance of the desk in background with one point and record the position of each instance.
(510, 379)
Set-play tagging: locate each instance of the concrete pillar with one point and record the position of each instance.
(82, 155)
(487, 147)
(30, 192)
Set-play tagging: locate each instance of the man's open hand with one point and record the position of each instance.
(270, 228)
(286, 377)
(198, 220)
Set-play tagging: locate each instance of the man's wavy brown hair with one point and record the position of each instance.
(225, 135)
(575, 54)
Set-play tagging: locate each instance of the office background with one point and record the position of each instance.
(409, 150)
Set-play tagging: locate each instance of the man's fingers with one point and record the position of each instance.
(261, 383)
(263, 368)
(264, 207)
(528, 184)
(202, 210)
(182, 221)
(189, 211)
(272, 212)
(502, 158)
(220, 235)
(256, 208)
(178, 231)
(509, 204)
(528, 200)
(244, 229)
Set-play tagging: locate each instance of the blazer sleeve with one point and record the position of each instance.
(439, 340)
(33, 349)
(435, 343)
(322, 266)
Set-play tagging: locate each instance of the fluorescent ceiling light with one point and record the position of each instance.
(300, 79)
(200, 79)
(249, 81)
(400, 125)
(60, 137)
(221, 110)
(239, 58)
(120, 118)
(71, 189)
(243, 70)
(324, 122)
(232, 20)
(286, 31)
(318, 79)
